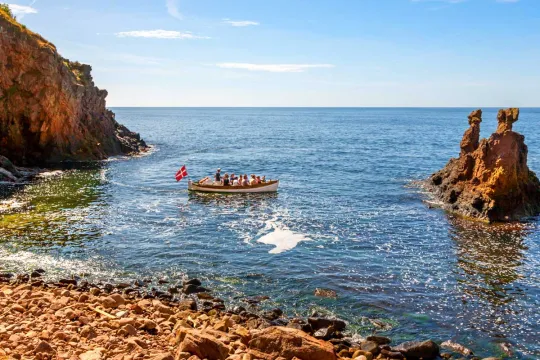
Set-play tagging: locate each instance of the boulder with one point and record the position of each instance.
(319, 323)
(425, 350)
(490, 180)
(274, 342)
(202, 344)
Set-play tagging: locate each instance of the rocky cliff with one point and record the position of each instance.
(50, 109)
(490, 180)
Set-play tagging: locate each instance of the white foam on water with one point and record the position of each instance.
(281, 237)
(47, 174)
(22, 261)
(11, 204)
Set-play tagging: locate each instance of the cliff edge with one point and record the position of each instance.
(490, 181)
(50, 109)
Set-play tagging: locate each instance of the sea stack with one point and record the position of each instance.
(50, 109)
(490, 180)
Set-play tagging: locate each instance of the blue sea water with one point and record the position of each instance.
(348, 217)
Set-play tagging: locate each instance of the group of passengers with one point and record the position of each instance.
(240, 180)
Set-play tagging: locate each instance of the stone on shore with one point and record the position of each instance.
(273, 342)
(425, 350)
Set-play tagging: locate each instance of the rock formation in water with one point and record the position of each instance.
(50, 109)
(490, 180)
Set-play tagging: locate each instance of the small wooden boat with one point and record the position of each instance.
(266, 187)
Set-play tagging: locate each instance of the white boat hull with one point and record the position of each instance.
(271, 186)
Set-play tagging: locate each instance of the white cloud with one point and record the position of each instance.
(279, 68)
(172, 9)
(21, 10)
(160, 34)
(240, 22)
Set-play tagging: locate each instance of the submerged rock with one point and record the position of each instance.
(490, 181)
(50, 109)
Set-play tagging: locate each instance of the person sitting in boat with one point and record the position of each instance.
(217, 177)
(232, 178)
(253, 180)
(226, 180)
(258, 180)
(235, 181)
(263, 180)
(245, 181)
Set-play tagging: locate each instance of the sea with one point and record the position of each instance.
(350, 216)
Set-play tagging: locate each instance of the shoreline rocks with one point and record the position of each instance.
(50, 108)
(490, 180)
(73, 319)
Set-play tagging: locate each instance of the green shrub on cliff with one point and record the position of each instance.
(5, 8)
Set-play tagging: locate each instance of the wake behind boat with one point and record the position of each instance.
(266, 187)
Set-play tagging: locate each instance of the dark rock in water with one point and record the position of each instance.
(327, 293)
(37, 283)
(6, 276)
(319, 323)
(425, 350)
(218, 306)
(238, 309)
(300, 324)
(255, 299)
(122, 286)
(108, 288)
(392, 354)
(23, 277)
(490, 181)
(325, 333)
(279, 322)
(35, 274)
(272, 314)
(370, 346)
(173, 290)
(139, 283)
(196, 282)
(7, 165)
(41, 271)
(381, 340)
(193, 289)
(163, 281)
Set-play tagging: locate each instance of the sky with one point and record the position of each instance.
(470, 53)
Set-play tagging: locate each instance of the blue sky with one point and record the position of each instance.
(300, 52)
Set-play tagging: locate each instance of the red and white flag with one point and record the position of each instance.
(182, 173)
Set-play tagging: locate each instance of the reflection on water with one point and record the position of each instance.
(490, 274)
(232, 200)
(55, 209)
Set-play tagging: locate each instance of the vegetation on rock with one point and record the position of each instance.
(50, 109)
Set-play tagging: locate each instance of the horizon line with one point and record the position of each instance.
(326, 107)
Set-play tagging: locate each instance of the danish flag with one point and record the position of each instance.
(182, 173)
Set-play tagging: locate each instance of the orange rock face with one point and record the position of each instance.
(50, 109)
(490, 180)
(275, 342)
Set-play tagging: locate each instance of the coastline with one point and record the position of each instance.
(74, 319)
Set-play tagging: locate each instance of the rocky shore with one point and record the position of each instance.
(71, 319)
(490, 180)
